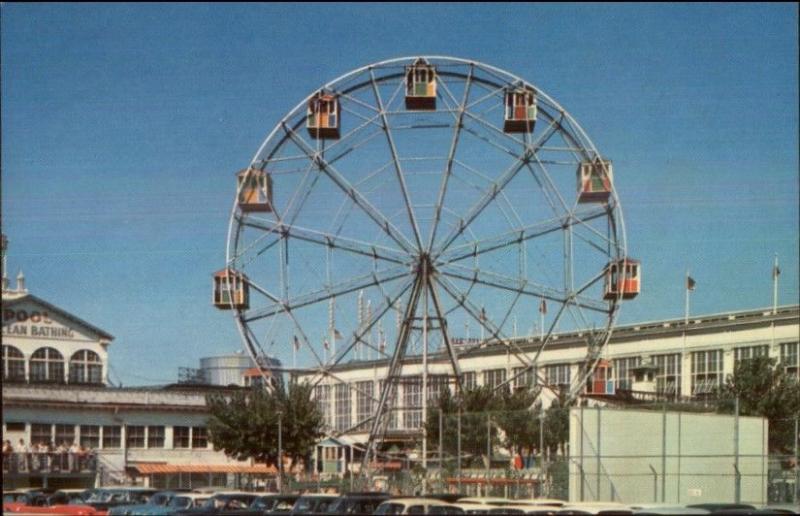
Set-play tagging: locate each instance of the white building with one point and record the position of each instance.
(55, 371)
(689, 360)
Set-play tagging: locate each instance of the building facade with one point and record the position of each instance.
(68, 428)
(690, 359)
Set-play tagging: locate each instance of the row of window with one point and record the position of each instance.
(110, 436)
(47, 365)
(706, 376)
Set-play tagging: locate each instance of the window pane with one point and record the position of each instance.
(135, 436)
(90, 436)
(199, 437)
(41, 433)
(65, 434)
(180, 437)
(342, 394)
(365, 405)
(155, 436)
(112, 436)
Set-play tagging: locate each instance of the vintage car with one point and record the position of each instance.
(313, 503)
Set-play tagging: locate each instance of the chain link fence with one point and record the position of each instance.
(676, 452)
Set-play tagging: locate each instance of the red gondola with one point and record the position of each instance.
(594, 181)
(520, 111)
(623, 277)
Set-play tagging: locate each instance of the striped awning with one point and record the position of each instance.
(162, 468)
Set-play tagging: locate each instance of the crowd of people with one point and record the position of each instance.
(44, 457)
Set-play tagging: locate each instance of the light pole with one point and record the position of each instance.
(280, 452)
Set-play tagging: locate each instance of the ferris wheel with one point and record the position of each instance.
(425, 205)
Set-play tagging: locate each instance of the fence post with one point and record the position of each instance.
(655, 483)
(458, 445)
(738, 478)
(441, 442)
(599, 457)
(488, 444)
(796, 461)
(542, 475)
(663, 451)
(581, 452)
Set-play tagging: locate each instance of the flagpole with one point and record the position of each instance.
(686, 286)
(541, 325)
(775, 273)
(331, 326)
(542, 311)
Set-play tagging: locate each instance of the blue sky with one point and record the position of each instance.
(122, 127)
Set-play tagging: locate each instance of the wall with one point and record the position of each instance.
(650, 456)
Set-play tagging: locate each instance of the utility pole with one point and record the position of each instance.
(280, 452)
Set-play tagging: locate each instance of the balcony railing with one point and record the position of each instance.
(36, 463)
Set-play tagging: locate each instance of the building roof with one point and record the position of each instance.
(162, 398)
(102, 334)
(698, 324)
(149, 468)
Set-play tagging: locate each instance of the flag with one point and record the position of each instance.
(776, 271)
(325, 344)
(296, 343)
(690, 283)
(543, 307)
(483, 314)
(337, 334)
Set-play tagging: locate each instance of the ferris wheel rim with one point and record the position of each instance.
(575, 125)
(585, 140)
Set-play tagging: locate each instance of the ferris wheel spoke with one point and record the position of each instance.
(517, 236)
(549, 189)
(373, 213)
(351, 135)
(397, 167)
(451, 351)
(387, 304)
(476, 314)
(341, 288)
(381, 421)
(448, 170)
(477, 208)
(329, 240)
(255, 350)
(523, 286)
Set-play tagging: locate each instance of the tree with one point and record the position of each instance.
(474, 404)
(519, 420)
(556, 425)
(764, 389)
(245, 424)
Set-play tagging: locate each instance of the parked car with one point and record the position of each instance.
(185, 501)
(60, 510)
(154, 505)
(265, 504)
(358, 502)
(418, 505)
(601, 508)
(106, 498)
(221, 503)
(722, 507)
(663, 508)
(313, 503)
(541, 510)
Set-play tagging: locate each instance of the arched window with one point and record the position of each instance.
(85, 367)
(13, 364)
(47, 365)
